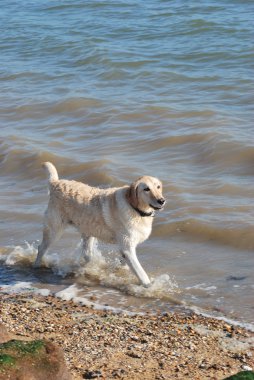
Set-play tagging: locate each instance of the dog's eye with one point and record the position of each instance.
(158, 187)
(146, 189)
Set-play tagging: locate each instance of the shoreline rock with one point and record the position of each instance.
(30, 360)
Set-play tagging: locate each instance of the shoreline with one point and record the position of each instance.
(103, 344)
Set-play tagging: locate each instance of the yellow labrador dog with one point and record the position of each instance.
(122, 215)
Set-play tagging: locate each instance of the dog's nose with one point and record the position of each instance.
(161, 201)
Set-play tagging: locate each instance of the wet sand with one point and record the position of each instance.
(101, 344)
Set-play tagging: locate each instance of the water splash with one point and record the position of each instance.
(102, 272)
(114, 275)
(162, 287)
(15, 255)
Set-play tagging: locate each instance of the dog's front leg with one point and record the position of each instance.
(129, 254)
(87, 248)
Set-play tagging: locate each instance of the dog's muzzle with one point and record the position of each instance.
(161, 202)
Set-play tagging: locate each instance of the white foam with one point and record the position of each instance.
(198, 310)
(61, 264)
(68, 293)
(18, 287)
(72, 293)
(161, 287)
(43, 292)
(19, 255)
(203, 287)
(24, 287)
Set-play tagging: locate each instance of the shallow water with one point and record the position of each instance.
(108, 92)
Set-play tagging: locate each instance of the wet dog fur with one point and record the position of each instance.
(122, 215)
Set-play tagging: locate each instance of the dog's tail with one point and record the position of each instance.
(52, 172)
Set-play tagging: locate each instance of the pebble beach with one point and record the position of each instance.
(106, 345)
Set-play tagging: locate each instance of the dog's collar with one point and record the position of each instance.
(143, 213)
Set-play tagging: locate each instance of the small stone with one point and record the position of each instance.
(135, 355)
(203, 365)
(4, 334)
(246, 368)
(228, 328)
(92, 374)
(118, 372)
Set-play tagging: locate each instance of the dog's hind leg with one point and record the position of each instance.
(43, 248)
(51, 233)
(87, 248)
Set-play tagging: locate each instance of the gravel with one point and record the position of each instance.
(104, 345)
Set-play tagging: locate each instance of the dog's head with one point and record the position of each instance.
(146, 194)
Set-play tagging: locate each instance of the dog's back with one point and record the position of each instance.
(86, 208)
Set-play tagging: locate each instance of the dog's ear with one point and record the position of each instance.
(132, 194)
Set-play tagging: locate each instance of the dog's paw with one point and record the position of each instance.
(148, 285)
